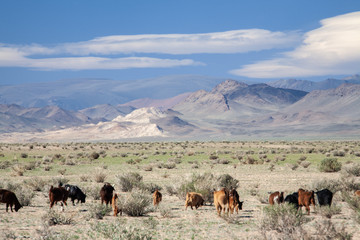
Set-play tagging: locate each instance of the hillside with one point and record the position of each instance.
(308, 86)
(20, 119)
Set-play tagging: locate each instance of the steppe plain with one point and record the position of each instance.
(259, 166)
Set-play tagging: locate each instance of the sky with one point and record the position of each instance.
(43, 41)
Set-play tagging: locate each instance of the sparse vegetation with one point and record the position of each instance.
(253, 168)
(136, 204)
(284, 220)
(330, 165)
(99, 211)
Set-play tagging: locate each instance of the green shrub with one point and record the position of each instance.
(5, 164)
(284, 220)
(227, 181)
(136, 204)
(35, 183)
(25, 196)
(329, 211)
(100, 177)
(353, 170)
(332, 185)
(330, 165)
(118, 230)
(98, 211)
(129, 180)
(53, 218)
(327, 230)
(94, 155)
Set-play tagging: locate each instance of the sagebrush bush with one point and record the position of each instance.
(331, 184)
(99, 211)
(128, 181)
(94, 155)
(201, 183)
(5, 164)
(118, 230)
(227, 181)
(53, 218)
(56, 181)
(35, 183)
(30, 166)
(284, 220)
(18, 170)
(25, 196)
(330, 165)
(93, 192)
(100, 177)
(137, 203)
(329, 211)
(353, 170)
(326, 230)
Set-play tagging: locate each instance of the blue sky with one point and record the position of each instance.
(44, 41)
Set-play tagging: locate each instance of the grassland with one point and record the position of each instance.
(260, 168)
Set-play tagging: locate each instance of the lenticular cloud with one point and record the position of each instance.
(331, 49)
(237, 41)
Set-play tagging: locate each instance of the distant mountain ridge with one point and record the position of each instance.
(228, 110)
(236, 96)
(308, 86)
(17, 118)
(76, 94)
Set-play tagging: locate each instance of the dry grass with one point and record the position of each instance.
(261, 167)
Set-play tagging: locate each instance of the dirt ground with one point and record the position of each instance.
(255, 182)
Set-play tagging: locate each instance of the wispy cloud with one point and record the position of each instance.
(237, 41)
(95, 54)
(332, 49)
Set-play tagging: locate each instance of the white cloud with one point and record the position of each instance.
(80, 63)
(332, 49)
(17, 57)
(94, 54)
(237, 41)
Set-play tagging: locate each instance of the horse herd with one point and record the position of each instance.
(224, 199)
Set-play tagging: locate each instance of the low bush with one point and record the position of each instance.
(332, 185)
(305, 164)
(325, 229)
(53, 218)
(353, 170)
(330, 165)
(5, 164)
(99, 211)
(129, 180)
(59, 181)
(94, 155)
(93, 192)
(118, 230)
(35, 183)
(100, 177)
(25, 196)
(285, 221)
(136, 204)
(227, 181)
(18, 170)
(329, 211)
(30, 166)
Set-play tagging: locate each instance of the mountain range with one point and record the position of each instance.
(77, 94)
(308, 86)
(224, 109)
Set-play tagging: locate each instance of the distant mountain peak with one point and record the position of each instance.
(228, 86)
